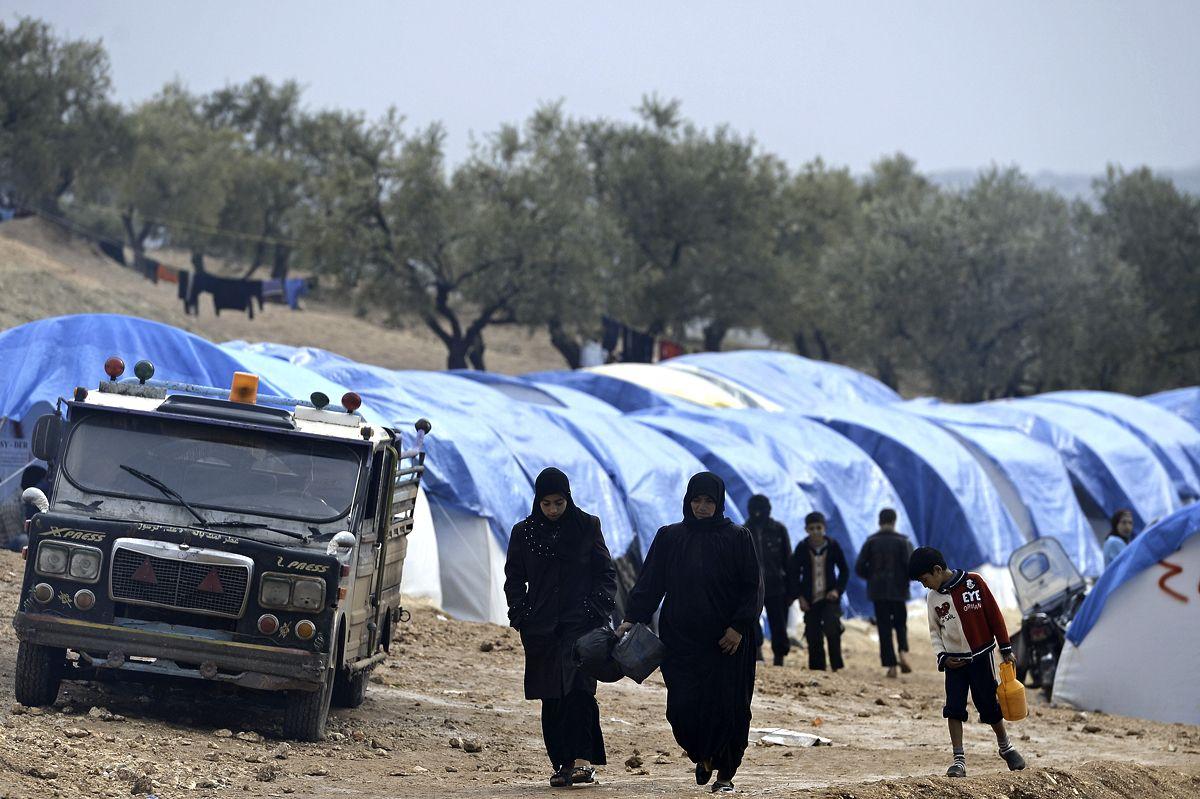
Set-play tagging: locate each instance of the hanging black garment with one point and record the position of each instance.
(706, 574)
(611, 334)
(114, 250)
(184, 293)
(638, 347)
(150, 269)
(233, 295)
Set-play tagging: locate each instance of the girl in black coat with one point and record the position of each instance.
(708, 572)
(560, 583)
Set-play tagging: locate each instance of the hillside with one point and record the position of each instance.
(44, 272)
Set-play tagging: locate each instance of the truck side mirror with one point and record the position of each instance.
(47, 437)
(342, 542)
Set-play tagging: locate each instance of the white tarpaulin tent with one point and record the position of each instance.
(1132, 647)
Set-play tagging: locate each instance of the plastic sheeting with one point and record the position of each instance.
(42, 361)
(1173, 441)
(535, 442)
(650, 470)
(833, 473)
(1183, 402)
(950, 500)
(553, 396)
(1036, 472)
(468, 466)
(1118, 470)
(1131, 648)
(790, 380)
(623, 395)
(678, 383)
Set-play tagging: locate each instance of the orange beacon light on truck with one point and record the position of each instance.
(244, 388)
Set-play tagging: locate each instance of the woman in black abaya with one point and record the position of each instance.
(708, 572)
(560, 582)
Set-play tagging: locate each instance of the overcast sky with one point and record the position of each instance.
(1065, 86)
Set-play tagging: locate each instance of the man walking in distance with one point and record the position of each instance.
(883, 563)
(774, 548)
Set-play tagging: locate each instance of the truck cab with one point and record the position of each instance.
(217, 535)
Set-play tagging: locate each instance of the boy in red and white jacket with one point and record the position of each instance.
(965, 625)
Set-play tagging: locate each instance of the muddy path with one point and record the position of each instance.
(448, 682)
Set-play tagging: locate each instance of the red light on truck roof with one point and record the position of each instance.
(351, 401)
(114, 367)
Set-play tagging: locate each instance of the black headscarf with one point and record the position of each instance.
(709, 485)
(759, 507)
(543, 532)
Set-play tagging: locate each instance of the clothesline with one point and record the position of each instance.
(227, 293)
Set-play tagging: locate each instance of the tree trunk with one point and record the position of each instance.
(280, 261)
(714, 336)
(887, 372)
(456, 355)
(800, 344)
(475, 354)
(822, 345)
(567, 345)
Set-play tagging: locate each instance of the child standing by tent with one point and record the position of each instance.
(965, 625)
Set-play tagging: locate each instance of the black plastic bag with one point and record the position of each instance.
(639, 653)
(593, 655)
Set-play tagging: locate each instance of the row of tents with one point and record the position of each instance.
(976, 481)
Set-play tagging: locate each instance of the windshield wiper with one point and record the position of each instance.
(150, 479)
(259, 526)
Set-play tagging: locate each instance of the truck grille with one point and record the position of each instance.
(198, 581)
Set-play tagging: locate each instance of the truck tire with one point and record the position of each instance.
(350, 690)
(306, 712)
(39, 673)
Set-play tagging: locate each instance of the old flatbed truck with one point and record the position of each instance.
(217, 535)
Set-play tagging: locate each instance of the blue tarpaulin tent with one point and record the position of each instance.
(1131, 648)
(1183, 402)
(951, 502)
(836, 476)
(1042, 500)
(790, 380)
(42, 361)
(1173, 441)
(1118, 469)
(650, 470)
(536, 443)
(548, 394)
(621, 394)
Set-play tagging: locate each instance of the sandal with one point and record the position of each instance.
(583, 775)
(560, 778)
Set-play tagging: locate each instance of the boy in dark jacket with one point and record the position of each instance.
(774, 547)
(965, 626)
(819, 575)
(883, 563)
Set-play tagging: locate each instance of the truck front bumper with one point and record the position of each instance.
(177, 654)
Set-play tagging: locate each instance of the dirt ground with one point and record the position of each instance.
(448, 681)
(44, 273)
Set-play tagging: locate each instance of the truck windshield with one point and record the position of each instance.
(243, 471)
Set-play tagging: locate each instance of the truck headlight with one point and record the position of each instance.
(85, 565)
(52, 559)
(308, 594)
(275, 592)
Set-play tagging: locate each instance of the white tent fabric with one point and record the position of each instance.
(472, 565)
(1139, 656)
(678, 383)
(422, 575)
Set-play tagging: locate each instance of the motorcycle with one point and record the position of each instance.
(1049, 592)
